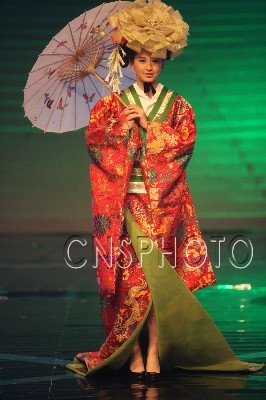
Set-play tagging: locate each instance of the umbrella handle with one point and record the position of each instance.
(109, 88)
(120, 99)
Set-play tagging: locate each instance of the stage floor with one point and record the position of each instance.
(50, 312)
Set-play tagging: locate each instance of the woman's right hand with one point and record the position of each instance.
(133, 114)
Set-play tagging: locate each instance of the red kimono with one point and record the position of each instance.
(164, 212)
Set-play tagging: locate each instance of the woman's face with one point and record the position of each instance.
(146, 67)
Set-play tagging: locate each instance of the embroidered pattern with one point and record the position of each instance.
(101, 224)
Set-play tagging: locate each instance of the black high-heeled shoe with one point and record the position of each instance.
(138, 376)
(153, 376)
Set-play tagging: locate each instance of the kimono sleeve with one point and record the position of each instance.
(174, 139)
(107, 143)
(107, 136)
(169, 147)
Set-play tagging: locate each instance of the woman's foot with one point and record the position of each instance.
(153, 364)
(136, 365)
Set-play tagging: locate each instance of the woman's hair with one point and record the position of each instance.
(130, 54)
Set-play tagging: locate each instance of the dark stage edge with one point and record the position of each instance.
(50, 312)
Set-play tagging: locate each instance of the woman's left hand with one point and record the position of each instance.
(134, 112)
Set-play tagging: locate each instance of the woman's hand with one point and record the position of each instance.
(135, 113)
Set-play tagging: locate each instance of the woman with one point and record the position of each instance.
(151, 254)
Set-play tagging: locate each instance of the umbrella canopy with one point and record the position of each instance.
(68, 76)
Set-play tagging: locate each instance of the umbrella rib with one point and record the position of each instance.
(95, 86)
(88, 31)
(103, 66)
(44, 104)
(85, 14)
(65, 106)
(98, 55)
(105, 19)
(119, 1)
(36, 101)
(47, 65)
(40, 88)
(86, 94)
(93, 59)
(90, 45)
(53, 38)
(109, 33)
(43, 75)
(38, 80)
(56, 102)
(93, 42)
(72, 78)
(86, 42)
(72, 37)
(63, 111)
(100, 38)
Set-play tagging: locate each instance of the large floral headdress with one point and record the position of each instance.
(152, 26)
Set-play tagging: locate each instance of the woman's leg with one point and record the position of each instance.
(136, 360)
(153, 364)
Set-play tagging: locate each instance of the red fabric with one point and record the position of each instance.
(166, 211)
(169, 211)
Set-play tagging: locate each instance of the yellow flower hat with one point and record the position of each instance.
(152, 26)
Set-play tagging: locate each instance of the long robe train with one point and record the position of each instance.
(187, 336)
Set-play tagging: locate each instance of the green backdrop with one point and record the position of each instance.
(44, 177)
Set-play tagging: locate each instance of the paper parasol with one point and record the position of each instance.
(68, 76)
